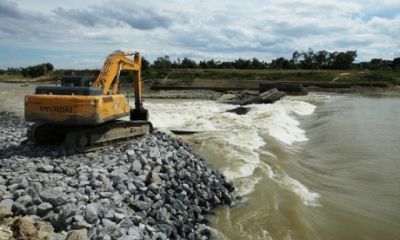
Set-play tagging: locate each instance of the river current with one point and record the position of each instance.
(314, 167)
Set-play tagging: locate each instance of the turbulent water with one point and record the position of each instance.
(315, 167)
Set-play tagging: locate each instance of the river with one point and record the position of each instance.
(320, 166)
(315, 167)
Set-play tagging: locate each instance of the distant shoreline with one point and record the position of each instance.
(213, 95)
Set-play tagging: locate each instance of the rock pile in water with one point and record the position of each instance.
(151, 188)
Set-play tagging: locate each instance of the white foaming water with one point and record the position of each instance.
(307, 197)
(235, 140)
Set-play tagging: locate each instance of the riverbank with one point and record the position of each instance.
(155, 187)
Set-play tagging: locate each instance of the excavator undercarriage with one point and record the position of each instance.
(89, 138)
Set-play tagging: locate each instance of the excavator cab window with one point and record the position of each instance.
(77, 81)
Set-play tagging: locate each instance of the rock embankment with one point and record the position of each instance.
(152, 188)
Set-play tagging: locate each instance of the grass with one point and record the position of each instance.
(18, 78)
(339, 76)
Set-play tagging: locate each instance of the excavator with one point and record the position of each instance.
(86, 116)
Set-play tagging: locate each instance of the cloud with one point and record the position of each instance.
(9, 9)
(83, 17)
(204, 29)
(131, 14)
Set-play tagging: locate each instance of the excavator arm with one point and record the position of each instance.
(109, 74)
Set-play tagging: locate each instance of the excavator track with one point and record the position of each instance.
(45, 134)
(87, 139)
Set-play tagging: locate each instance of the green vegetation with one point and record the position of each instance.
(339, 76)
(309, 66)
(37, 70)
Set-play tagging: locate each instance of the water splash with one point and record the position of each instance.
(235, 140)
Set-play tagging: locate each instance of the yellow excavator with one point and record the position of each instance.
(84, 112)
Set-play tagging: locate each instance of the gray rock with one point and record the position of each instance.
(106, 194)
(155, 178)
(57, 221)
(103, 178)
(44, 208)
(23, 183)
(162, 215)
(81, 225)
(48, 215)
(153, 187)
(119, 216)
(119, 178)
(68, 210)
(55, 196)
(21, 204)
(140, 205)
(31, 210)
(46, 168)
(138, 183)
(132, 188)
(154, 153)
(7, 203)
(136, 166)
(36, 186)
(131, 155)
(91, 213)
(109, 214)
(79, 218)
(80, 234)
(126, 237)
(108, 225)
(134, 233)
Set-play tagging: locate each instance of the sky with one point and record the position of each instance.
(79, 34)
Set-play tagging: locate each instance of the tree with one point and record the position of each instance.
(187, 63)
(345, 60)
(203, 64)
(162, 62)
(321, 59)
(396, 63)
(256, 64)
(49, 67)
(308, 59)
(279, 63)
(226, 65)
(211, 64)
(242, 64)
(296, 57)
(37, 70)
(12, 70)
(145, 64)
(331, 59)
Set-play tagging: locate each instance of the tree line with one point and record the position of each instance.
(300, 60)
(31, 71)
(304, 60)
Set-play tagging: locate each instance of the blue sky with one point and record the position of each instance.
(79, 34)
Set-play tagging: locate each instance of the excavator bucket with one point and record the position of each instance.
(139, 115)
